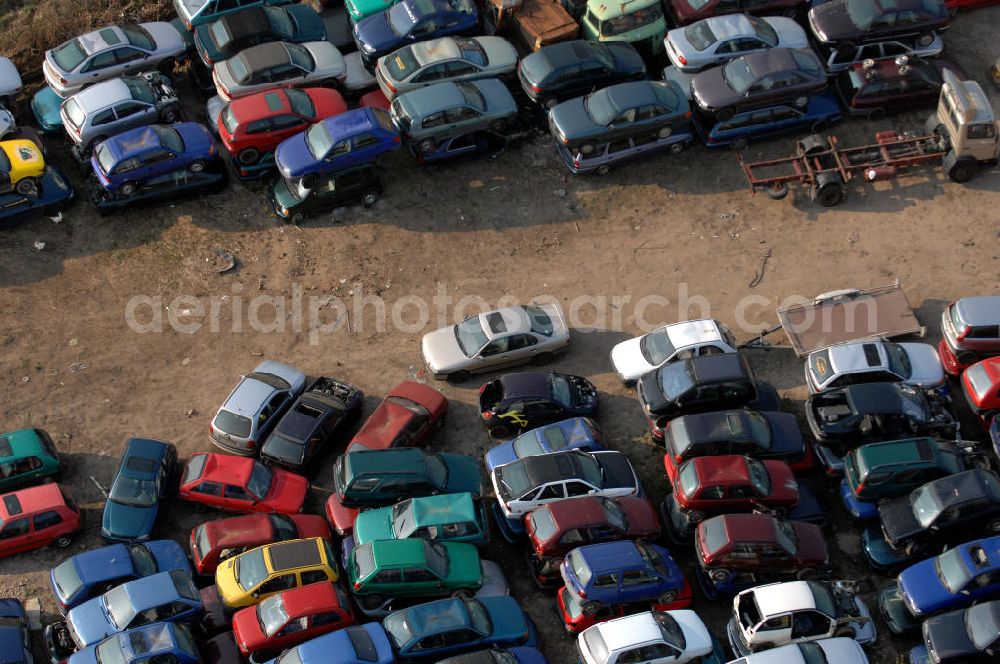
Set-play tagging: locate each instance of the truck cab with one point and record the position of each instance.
(966, 119)
(638, 22)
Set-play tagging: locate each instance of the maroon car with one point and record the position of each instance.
(216, 541)
(557, 528)
(849, 22)
(875, 87)
(735, 550)
(406, 418)
(684, 12)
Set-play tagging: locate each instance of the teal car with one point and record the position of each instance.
(27, 457)
(358, 9)
(453, 517)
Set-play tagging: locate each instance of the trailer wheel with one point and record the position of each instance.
(812, 144)
(829, 194)
(777, 191)
(962, 170)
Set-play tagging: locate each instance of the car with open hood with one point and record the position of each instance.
(277, 64)
(445, 59)
(518, 401)
(718, 39)
(853, 21)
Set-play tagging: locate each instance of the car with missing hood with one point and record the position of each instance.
(216, 541)
(760, 78)
(412, 21)
(675, 341)
(277, 64)
(719, 39)
(116, 50)
(676, 636)
(517, 401)
(569, 69)
(251, 25)
(966, 636)
(407, 417)
(502, 337)
(851, 21)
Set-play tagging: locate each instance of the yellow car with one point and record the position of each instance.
(21, 166)
(251, 577)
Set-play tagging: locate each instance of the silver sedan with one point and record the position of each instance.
(445, 59)
(719, 39)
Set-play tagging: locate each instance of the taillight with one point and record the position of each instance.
(681, 59)
(63, 81)
(583, 593)
(251, 443)
(535, 88)
(487, 414)
(397, 139)
(357, 585)
(678, 458)
(961, 335)
(687, 115)
(861, 487)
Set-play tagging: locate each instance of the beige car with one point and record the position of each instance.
(499, 338)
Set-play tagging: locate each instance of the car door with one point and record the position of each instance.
(810, 625)
(154, 163)
(101, 65)
(463, 119)
(577, 488)
(286, 125)
(388, 580)
(43, 527)
(129, 59)
(275, 584)
(430, 74)
(494, 354)
(275, 406)
(133, 113)
(237, 498)
(420, 577)
(15, 536)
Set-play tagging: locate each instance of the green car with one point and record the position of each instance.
(382, 570)
(454, 517)
(359, 9)
(638, 22)
(26, 457)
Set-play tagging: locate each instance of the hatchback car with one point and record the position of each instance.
(675, 341)
(853, 21)
(22, 167)
(577, 433)
(516, 655)
(338, 143)
(239, 484)
(118, 104)
(517, 401)
(358, 644)
(452, 517)
(125, 161)
(718, 39)
(965, 636)
(257, 24)
(294, 204)
(15, 639)
(970, 331)
(572, 68)
(116, 50)
(427, 116)
(407, 417)
(512, 335)
(141, 482)
(679, 637)
(254, 406)
(277, 64)
(874, 361)
(444, 59)
(839, 649)
(252, 577)
(874, 88)
(37, 517)
(150, 644)
(981, 386)
(215, 542)
(412, 21)
(27, 456)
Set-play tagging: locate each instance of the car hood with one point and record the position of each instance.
(507, 617)
(246, 628)
(925, 365)
(696, 635)
(921, 584)
(441, 350)
(86, 656)
(628, 360)
(786, 435)
(463, 474)
(897, 519)
(945, 635)
(570, 119)
(500, 53)
(196, 137)
(652, 399)
(710, 90)
(830, 22)
(293, 156)
(500, 455)
(310, 24)
(812, 545)
(465, 570)
(127, 522)
(374, 31)
(683, 79)
(90, 623)
(329, 62)
(373, 525)
(168, 40)
(288, 491)
(790, 32)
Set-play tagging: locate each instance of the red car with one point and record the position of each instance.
(981, 383)
(405, 418)
(732, 483)
(241, 484)
(557, 528)
(374, 99)
(341, 518)
(575, 621)
(970, 332)
(968, 4)
(216, 541)
(37, 517)
(287, 619)
(253, 126)
(684, 12)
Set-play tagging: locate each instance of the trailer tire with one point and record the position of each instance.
(812, 144)
(829, 189)
(962, 170)
(777, 191)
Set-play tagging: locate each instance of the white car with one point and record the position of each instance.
(503, 337)
(719, 39)
(276, 64)
(10, 83)
(874, 361)
(676, 341)
(777, 614)
(839, 650)
(676, 637)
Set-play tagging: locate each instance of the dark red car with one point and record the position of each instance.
(575, 620)
(875, 87)
(557, 528)
(405, 418)
(40, 516)
(287, 619)
(684, 12)
(241, 484)
(731, 483)
(981, 384)
(216, 541)
(252, 126)
(341, 518)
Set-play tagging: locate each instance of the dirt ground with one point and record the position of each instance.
(515, 226)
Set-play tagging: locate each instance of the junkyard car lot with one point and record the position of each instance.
(515, 225)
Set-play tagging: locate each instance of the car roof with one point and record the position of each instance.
(435, 617)
(338, 648)
(295, 553)
(874, 398)
(526, 385)
(629, 631)
(434, 98)
(106, 562)
(260, 105)
(249, 396)
(611, 555)
(564, 53)
(894, 452)
(309, 599)
(399, 553)
(979, 309)
(543, 468)
(264, 56)
(749, 527)
(719, 425)
(102, 95)
(304, 417)
(400, 460)
(436, 50)
(576, 512)
(731, 26)
(691, 332)
(30, 500)
(134, 142)
(154, 590)
(226, 468)
(718, 368)
(604, 10)
(350, 123)
(964, 487)
(855, 357)
(501, 322)
(148, 640)
(247, 22)
(443, 509)
(771, 60)
(102, 39)
(776, 598)
(138, 455)
(22, 442)
(982, 555)
(238, 530)
(721, 470)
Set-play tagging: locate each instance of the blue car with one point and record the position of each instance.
(169, 643)
(123, 162)
(623, 572)
(499, 656)
(737, 132)
(15, 642)
(435, 630)
(139, 485)
(345, 141)
(578, 433)
(93, 572)
(359, 644)
(54, 193)
(167, 596)
(412, 21)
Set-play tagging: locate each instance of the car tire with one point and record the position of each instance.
(427, 145)
(541, 359)
(925, 39)
(248, 156)
(829, 194)
(27, 187)
(459, 376)
(62, 541)
(588, 148)
(677, 148)
(197, 166)
(994, 526)
(962, 171)
(128, 189)
(171, 114)
(719, 575)
(805, 574)
(500, 431)
(777, 191)
(739, 144)
(297, 218)
(498, 126)
(590, 608)
(167, 66)
(668, 597)
(664, 132)
(726, 113)
(603, 169)
(371, 602)
(463, 593)
(369, 199)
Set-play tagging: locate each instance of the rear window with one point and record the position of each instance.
(713, 534)
(233, 424)
(979, 380)
(201, 542)
(689, 479)
(541, 322)
(364, 648)
(364, 560)
(402, 63)
(301, 103)
(580, 567)
(66, 578)
(543, 523)
(74, 113)
(195, 467)
(69, 55)
(699, 35)
(229, 119)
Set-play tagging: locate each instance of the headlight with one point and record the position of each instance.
(367, 48)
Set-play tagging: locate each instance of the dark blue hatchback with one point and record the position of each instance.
(413, 21)
(15, 642)
(622, 572)
(123, 162)
(140, 484)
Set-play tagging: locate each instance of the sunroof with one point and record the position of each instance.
(110, 36)
(273, 101)
(12, 504)
(299, 553)
(496, 322)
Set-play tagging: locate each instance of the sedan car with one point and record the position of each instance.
(852, 21)
(427, 117)
(444, 59)
(679, 637)
(517, 401)
(874, 361)
(239, 484)
(141, 482)
(822, 111)
(674, 341)
(579, 433)
(759, 79)
(277, 64)
(684, 12)
(412, 21)
(118, 104)
(719, 39)
(639, 108)
(874, 88)
(965, 636)
(407, 417)
(115, 50)
(568, 69)
(214, 542)
(497, 338)
(124, 162)
(254, 406)
(258, 24)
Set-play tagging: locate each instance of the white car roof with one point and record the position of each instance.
(436, 50)
(95, 42)
(692, 332)
(777, 598)
(630, 631)
(838, 650)
(731, 26)
(102, 95)
(858, 356)
(501, 322)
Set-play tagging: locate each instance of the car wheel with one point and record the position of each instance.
(739, 144)
(667, 598)
(248, 156)
(926, 39)
(128, 188)
(994, 526)
(805, 574)
(369, 199)
(197, 166)
(62, 542)
(777, 191)
(801, 102)
(371, 602)
(664, 132)
(603, 169)
(498, 126)
(541, 358)
(966, 357)
(500, 431)
(726, 113)
(830, 194)
(962, 171)
(677, 148)
(427, 145)
(719, 575)
(27, 187)
(331, 83)
(167, 66)
(588, 148)
(463, 593)
(590, 608)
(297, 217)
(171, 114)
(459, 376)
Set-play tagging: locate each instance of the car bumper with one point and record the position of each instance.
(58, 642)
(232, 447)
(859, 509)
(736, 643)
(879, 555)
(831, 462)
(949, 360)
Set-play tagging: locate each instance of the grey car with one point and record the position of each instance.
(845, 55)
(719, 39)
(110, 52)
(10, 83)
(274, 64)
(111, 107)
(254, 406)
(427, 116)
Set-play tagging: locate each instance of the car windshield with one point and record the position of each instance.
(671, 631)
(139, 90)
(119, 607)
(760, 430)
(402, 63)
(260, 480)
(863, 12)
(69, 56)
(515, 478)
(74, 113)
(238, 69)
(195, 467)
(713, 534)
(656, 347)
(318, 140)
(561, 390)
(281, 22)
(66, 579)
(437, 558)
(134, 492)
(951, 569)
(596, 645)
(676, 378)
(926, 505)
(400, 21)
(472, 51)
(763, 30)
(478, 617)
(911, 403)
(300, 57)
(527, 444)
(614, 514)
(111, 652)
(982, 623)
(579, 565)
(541, 520)
(398, 626)
(601, 108)
(899, 361)
(700, 35)
(142, 560)
(785, 534)
(403, 523)
(105, 159)
(759, 477)
(250, 569)
(169, 138)
(219, 33)
(300, 102)
(540, 321)
(290, 656)
(437, 471)
(823, 598)
(689, 479)
(285, 449)
(271, 615)
(472, 96)
(137, 36)
(738, 75)
(812, 653)
(470, 334)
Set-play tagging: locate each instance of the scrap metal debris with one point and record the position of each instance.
(758, 276)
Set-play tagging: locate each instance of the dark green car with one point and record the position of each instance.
(27, 457)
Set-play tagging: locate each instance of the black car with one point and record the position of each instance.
(223, 38)
(758, 434)
(518, 401)
(962, 636)
(848, 22)
(942, 511)
(572, 68)
(294, 203)
(323, 413)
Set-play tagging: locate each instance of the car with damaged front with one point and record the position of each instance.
(518, 401)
